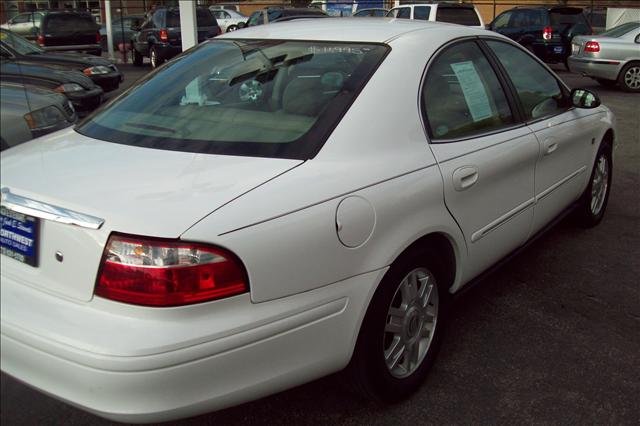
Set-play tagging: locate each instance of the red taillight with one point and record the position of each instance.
(547, 32)
(41, 40)
(145, 271)
(164, 35)
(592, 46)
(98, 37)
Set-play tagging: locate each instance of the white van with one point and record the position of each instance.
(454, 13)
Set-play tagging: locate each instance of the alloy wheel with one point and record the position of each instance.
(632, 78)
(411, 322)
(599, 185)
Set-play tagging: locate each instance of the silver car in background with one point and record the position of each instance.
(28, 112)
(610, 58)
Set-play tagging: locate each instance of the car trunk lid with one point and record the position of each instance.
(134, 190)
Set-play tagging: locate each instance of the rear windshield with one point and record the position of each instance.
(457, 15)
(621, 30)
(204, 17)
(64, 22)
(265, 98)
(567, 16)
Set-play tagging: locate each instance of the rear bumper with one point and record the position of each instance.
(137, 364)
(552, 52)
(167, 51)
(78, 47)
(595, 68)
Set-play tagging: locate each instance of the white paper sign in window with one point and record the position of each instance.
(474, 92)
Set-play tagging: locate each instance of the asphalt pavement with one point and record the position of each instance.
(553, 337)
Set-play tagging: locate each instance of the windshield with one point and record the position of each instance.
(268, 98)
(70, 22)
(19, 44)
(621, 30)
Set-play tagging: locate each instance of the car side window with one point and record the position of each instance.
(502, 21)
(421, 12)
(462, 95)
(540, 93)
(21, 19)
(404, 13)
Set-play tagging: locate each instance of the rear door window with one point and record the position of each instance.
(462, 95)
(457, 15)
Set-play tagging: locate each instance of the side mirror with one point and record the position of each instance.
(583, 98)
(241, 25)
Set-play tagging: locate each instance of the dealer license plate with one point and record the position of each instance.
(19, 236)
(558, 49)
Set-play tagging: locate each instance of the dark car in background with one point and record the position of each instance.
(101, 71)
(272, 14)
(544, 31)
(83, 93)
(122, 30)
(29, 112)
(371, 12)
(69, 30)
(160, 39)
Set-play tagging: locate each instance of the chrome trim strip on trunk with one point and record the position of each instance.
(48, 211)
(501, 220)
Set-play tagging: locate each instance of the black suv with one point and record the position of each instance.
(545, 31)
(159, 36)
(69, 30)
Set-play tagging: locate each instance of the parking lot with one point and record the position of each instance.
(553, 337)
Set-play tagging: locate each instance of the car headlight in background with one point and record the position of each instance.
(97, 70)
(68, 87)
(44, 118)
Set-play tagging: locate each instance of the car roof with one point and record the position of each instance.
(436, 3)
(379, 30)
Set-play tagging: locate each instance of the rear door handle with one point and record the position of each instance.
(550, 145)
(465, 177)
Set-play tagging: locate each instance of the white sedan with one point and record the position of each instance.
(271, 208)
(228, 20)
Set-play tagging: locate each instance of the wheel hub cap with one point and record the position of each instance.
(411, 321)
(632, 77)
(599, 185)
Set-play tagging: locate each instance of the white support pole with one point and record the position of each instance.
(188, 24)
(107, 12)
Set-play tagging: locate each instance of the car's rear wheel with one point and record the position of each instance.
(136, 57)
(629, 78)
(606, 83)
(593, 202)
(402, 329)
(154, 56)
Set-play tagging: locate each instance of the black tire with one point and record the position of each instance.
(368, 370)
(231, 28)
(590, 210)
(606, 83)
(155, 57)
(629, 77)
(136, 57)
